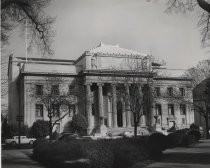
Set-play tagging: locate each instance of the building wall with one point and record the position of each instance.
(35, 72)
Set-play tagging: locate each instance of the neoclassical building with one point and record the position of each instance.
(95, 78)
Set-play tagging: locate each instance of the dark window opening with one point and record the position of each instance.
(55, 89)
(39, 89)
(170, 91)
(157, 91)
(182, 91)
(158, 110)
(56, 110)
(171, 109)
(182, 109)
(72, 110)
(39, 110)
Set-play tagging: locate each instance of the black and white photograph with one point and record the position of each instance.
(105, 83)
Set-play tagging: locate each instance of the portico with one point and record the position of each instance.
(104, 109)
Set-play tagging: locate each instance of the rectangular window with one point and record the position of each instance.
(72, 110)
(182, 91)
(170, 91)
(158, 109)
(157, 91)
(56, 110)
(55, 89)
(171, 109)
(39, 89)
(182, 109)
(39, 110)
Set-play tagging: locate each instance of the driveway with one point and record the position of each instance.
(193, 157)
(18, 158)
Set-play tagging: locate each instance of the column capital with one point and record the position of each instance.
(100, 84)
(88, 84)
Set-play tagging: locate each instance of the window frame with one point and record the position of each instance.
(72, 110)
(39, 90)
(55, 91)
(170, 91)
(53, 110)
(171, 106)
(182, 92)
(181, 108)
(37, 107)
(157, 108)
(157, 91)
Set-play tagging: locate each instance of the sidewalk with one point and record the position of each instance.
(195, 157)
(18, 159)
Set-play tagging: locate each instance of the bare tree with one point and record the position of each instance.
(188, 6)
(55, 97)
(201, 102)
(18, 12)
(138, 76)
(200, 72)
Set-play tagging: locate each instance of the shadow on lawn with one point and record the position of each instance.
(190, 158)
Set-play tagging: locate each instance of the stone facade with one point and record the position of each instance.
(95, 77)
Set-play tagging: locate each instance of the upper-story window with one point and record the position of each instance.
(55, 89)
(170, 109)
(39, 110)
(158, 110)
(39, 89)
(182, 91)
(72, 110)
(93, 63)
(56, 110)
(157, 91)
(182, 109)
(170, 91)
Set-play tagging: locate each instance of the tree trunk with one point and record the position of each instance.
(135, 125)
(207, 125)
(50, 128)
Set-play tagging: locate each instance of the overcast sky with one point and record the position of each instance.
(133, 24)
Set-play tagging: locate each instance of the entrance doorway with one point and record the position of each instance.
(119, 114)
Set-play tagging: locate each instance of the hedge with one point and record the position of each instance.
(122, 153)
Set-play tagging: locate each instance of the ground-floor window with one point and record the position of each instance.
(170, 109)
(39, 110)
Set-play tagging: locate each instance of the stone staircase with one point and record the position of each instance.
(120, 130)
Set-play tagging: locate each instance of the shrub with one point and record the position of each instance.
(55, 135)
(175, 139)
(157, 142)
(101, 153)
(180, 140)
(195, 133)
(79, 123)
(193, 126)
(40, 129)
(39, 142)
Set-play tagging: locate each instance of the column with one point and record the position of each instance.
(100, 103)
(124, 113)
(109, 111)
(114, 105)
(128, 112)
(89, 107)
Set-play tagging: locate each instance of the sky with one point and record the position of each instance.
(138, 25)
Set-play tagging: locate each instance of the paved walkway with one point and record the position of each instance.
(18, 159)
(195, 157)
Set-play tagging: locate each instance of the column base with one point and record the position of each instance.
(89, 130)
(103, 130)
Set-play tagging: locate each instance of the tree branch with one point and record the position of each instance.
(204, 5)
